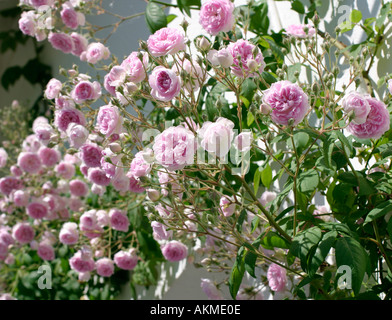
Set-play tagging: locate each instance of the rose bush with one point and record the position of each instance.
(224, 170)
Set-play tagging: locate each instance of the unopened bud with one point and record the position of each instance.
(265, 109)
(153, 194)
(204, 44)
(252, 65)
(115, 147)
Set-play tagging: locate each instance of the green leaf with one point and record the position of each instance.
(10, 76)
(237, 273)
(248, 90)
(256, 180)
(304, 241)
(355, 16)
(211, 99)
(155, 17)
(381, 210)
(346, 26)
(259, 21)
(266, 176)
(297, 6)
(170, 18)
(321, 251)
(349, 252)
(308, 181)
(250, 263)
(272, 240)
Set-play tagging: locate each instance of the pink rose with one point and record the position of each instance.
(49, 157)
(85, 90)
(174, 148)
(90, 154)
(29, 162)
(105, 267)
(46, 251)
(139, 166)
(134, 67)
(82, 262)
(118, 220)
(80, 44)
(109, 120)
(222, 58)
(160, 232)
(210, 289)
(39, 3)
(126, 260)
(166, 41)
(98, 177)
(287, 101)
(65, 170)
(77, 135)
(245, 50)
(53, 88)
(174, 251)
(43, 133)
(267, 197)
(357, 104)
(194, 74)
(243, 142)
(21, 198)
(107, 83)
(78, 188)
(376, 124)
(63, 117)
(27, 23)
(298, 31)
(216, 16)
(61, 41)
(69, 233)
(216, 137)
(23, 232)
(165, 84)
(95, 52)
(70, 17)
(277, 279)
(135, 184)
(8, 184)
(3, 157)
(227, 206)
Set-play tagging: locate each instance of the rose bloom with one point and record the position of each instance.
(210, 290)
(227, 206)
(85, 90)
(91, 155)
(70, 17)
(118, 220)
(65, 116)
(109, 120)
(61, 41)
(174, 148)
(82, 262)
(166, 41)
(297, 30)
(216, 137)
(49, 157)
(29, 162)
(27, 23)
(243, 142)
(160, 232)
(126, 260)
(164, 83)
(105, 267)
(95, 52)
(139, 166)
(376, 124)
(244, 49)
(267, 197)
(46, 251)
(287, 101)
(3, 157)
(65, 170)
(357, 104)
(43, 132)
(77, 135)
(80, 44)
(174, 251)
(69, 233)
(222, 58)
(23, 232)
(134, 67)
(277, 279)
(21, 198)
(8, 184)
(39, 3)
(216, 16)
(98, 177)
(390, 86)
(53, 88)
(78, 188)
(37, 210)
(135, 184)
(194, 74)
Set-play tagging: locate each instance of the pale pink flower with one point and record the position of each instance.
(210, 289)
(227, 206)
(174, 251)
(277, 278)
(166, 41)
(69, 233)
(29, 162)
(48, 156)
(23, 232)
(174, 148)
(98, 177)
(53, 88)
(216, 16)
(82, 261)
(109, 120)
(8, 184)
(104, 267)
(86, 90)
(160, 232)
(95, 52)
(80, 44)
(71, 18)
(78, 188)
(118, 220)
(91, 155)
(63, 117)
(77, 135)
(139, 166)
(65, 170)
(298, 30)
(134, 67)
(46, 251)
(164, 83)
(61, 41)
(126, 260)
(288, 102)
(357, 104)
(37, 209)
